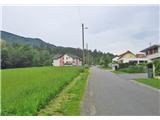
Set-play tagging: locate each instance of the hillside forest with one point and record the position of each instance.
(18, 51)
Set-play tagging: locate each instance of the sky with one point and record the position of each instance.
(113, 29)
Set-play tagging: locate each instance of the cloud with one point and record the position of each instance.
(111, 28)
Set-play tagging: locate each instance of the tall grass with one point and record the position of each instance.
(26, 90)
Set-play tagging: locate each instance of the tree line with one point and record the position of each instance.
(15, 55)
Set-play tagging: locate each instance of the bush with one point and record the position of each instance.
(133, 69)
(157, 67)
(125, 65)
(81, 70)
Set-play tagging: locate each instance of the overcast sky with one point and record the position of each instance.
(112, 29)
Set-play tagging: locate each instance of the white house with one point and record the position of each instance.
(66, 60)
(152, 52)
(129, 57)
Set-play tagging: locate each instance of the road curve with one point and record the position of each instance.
(108, 94)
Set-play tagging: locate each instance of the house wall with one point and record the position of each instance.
(154, 55)
(125, 58)
(115, 59)
(137, 60)
(79, 63)
(67, 59)
(129, 55)
(61, 61)
(56, 62)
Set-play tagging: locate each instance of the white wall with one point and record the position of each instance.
(155, 55)
(79, 62)
(67, 59)
(134, 59)
(56, 62)
(115, 59)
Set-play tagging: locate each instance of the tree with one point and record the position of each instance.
(4, 58)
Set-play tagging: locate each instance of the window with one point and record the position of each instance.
(155, 50)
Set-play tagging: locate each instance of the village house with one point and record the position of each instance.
(152, 52)
(129, 57)
(66, 60)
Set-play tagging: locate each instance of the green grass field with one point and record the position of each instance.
(68, 101)
(151, 82)
(26, 90)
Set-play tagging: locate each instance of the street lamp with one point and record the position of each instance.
(83, 57)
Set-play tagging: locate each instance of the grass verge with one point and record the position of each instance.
(151, 82)
(68, 101)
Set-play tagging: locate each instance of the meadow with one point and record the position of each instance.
(24, 91)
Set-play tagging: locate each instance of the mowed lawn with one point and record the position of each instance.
(150, 81)
(26, 90)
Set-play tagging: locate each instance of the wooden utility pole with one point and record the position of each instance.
(87, 57)
(83, 59)
(83, 56)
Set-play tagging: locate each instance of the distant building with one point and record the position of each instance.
(152, 52)
(129, 57)
(66, 60)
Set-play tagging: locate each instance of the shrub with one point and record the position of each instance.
(125, 65)
(81, 70)
(133, 69)
(157, 67)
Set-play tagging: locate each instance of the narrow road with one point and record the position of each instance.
(108, 94)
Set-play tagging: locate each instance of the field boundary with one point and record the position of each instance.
(56, 105)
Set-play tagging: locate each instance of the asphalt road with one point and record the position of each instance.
(109, 94)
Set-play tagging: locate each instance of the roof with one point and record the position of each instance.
(121, 55)
(60, 55)
(140, 55)
(151, 47)
(74, 56)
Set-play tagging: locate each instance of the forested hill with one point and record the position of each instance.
(18, 51)
(35, 42)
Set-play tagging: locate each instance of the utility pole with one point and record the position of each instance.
(83, 44)
(83, 59)
(87, 55)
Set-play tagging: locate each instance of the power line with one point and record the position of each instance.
(79, 14)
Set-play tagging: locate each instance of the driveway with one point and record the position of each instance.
(109, 94)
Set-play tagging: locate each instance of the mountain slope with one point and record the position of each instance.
(95, 57)
(35, 42)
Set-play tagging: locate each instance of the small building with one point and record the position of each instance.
(66, 60)
(152, 52)
(115, 66)
(129, 57)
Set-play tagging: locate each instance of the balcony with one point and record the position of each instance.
(153, 56)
